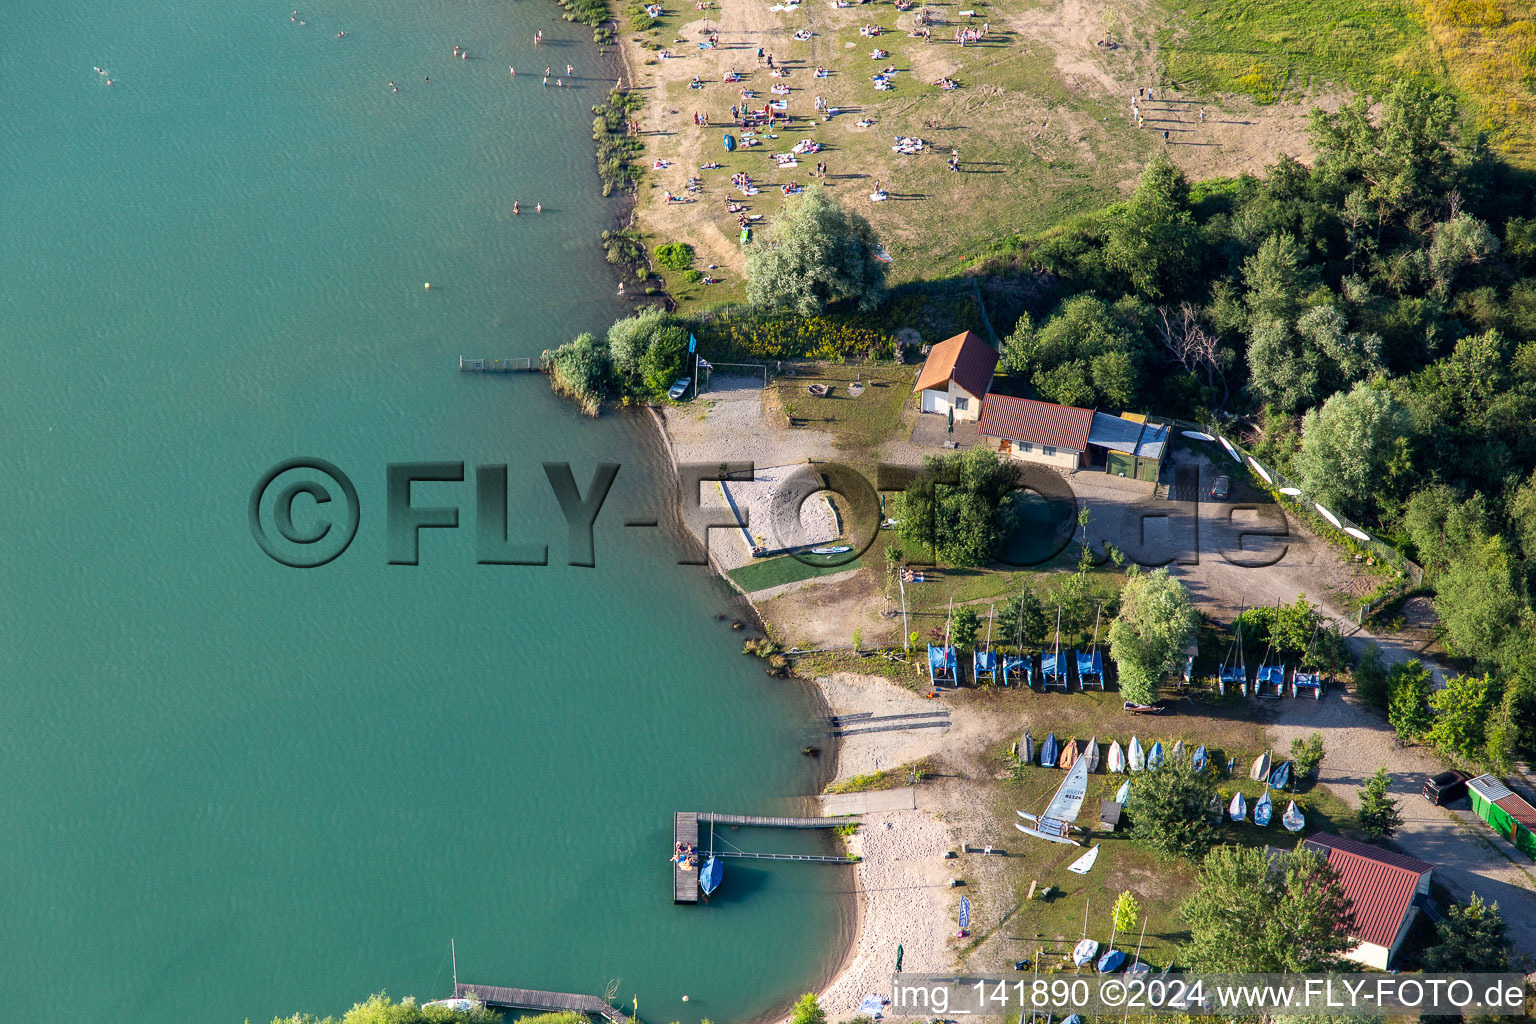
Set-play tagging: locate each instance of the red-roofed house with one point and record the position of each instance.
(1038, 431)
(957, 376)
(1383, 886)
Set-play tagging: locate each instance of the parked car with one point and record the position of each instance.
(1445, 787)
(678, 389)
(1221, 489)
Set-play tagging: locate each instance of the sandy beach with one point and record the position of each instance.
(902, 880)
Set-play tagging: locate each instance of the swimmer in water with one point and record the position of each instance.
(560, 83)
(393, 86)
(515, 210)
(538, 207)
(546, 79)
(569, 71)
(511, 70)
(340, 34)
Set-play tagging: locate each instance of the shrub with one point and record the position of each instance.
(1308, 755)
(675, 255)
(692, 276)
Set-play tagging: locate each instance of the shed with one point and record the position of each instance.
(1382, 886)
(1034, 431)
(1109, 815)
(1509, 815)
(957, 376)
(1131, 446)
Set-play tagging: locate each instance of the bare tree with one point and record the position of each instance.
(1194, 347)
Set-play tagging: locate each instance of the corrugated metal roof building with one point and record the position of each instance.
(1038, 431)
(1132, 446)
(1381, 885)
(1510, 816)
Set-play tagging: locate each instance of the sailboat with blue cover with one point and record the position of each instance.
(713, 870)
(1264, 809)
(1155, 755)
(1050, 751)
(1280, 778)
(1090, 666)
(1199, 761)
(984, 662)
(1053, 667)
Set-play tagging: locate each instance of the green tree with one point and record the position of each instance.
(1247, 916)
(1347, 447)
(816, 254)
(964, 627)
(1462, 711)
(1371, 679)
(1088, 353)
(1022, 620)
(808, 1011)
(1147, 638)
(1018, 346)
(1153, 239)
(631, 338)
(1170, 809)
(580, 369)
(1408, 700)
(380, 1009)
(1277, 277)
(962, 522)
(1378, 815)
(1281, 369)
(663, 362)
(1460, 242)
(1472, 940)
(1308, 755)
(1126, 912)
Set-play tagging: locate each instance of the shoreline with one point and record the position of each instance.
(899, 892)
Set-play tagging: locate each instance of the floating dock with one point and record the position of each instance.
(685, 829)
(496, 365)
(497, 997)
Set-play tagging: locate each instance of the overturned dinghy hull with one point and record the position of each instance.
(1260, 770)
(1293, 819)
(1027, 749)
(1199, 760)
(1238, 810)
(1049, 751)
(1091, 755)
(1116, 759)
(1134, 757)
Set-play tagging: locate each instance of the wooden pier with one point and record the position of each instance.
(685, 884)
(685, 829)
(497, 997)
(758, 821)
(496, 365)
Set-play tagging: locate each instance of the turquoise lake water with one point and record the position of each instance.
(232, 789)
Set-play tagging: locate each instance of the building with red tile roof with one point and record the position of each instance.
(1383, 887)
(1038, 431)
(957, 376)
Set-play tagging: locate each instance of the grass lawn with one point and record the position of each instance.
(860, 422)
(763, 573)
(1267, 48)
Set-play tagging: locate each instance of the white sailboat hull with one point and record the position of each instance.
(1064, 840)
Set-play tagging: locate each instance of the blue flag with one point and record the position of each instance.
(965, 913)
(693, 343)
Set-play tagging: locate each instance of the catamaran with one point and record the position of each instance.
(1310, 681)
(984, 662)
(943, 662)
(1062, 811)
(1053, 668)
(1018, 666)
(1234, 673)
(1090, 666)
(1270, 679)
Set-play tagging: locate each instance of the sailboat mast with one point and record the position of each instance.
(454, 949)
(991, 615)
(1140, 940)
(1096, 627)
(1085, 919)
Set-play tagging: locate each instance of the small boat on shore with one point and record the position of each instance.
(1155, 755)
(1124, 793)
(1178, 750)
(1260, 770)
(1198, 762)
(1280, 778)
(1238, 810)
(1084, 952)
(1264, 809)
(1027, 749)
(1134, 757)
(1068, 754)
(1293, 819)
(831, 549)
(1110, 961)
(1116, 758)
(1092, 754)
(1050, 750)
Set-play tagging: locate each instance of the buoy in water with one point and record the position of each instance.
(427, 285)
(685, 999)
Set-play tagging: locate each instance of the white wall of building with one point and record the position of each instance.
(1063, 458)
(966, 405)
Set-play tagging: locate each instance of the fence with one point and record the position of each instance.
(1327, 523)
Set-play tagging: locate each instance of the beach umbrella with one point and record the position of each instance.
(899, 952)
(951, 419)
